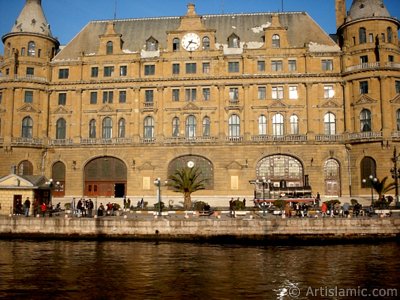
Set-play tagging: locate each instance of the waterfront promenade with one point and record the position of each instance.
(187, 226)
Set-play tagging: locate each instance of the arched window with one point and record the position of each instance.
(175, 127)
(107, 128)
(233, 41)
(58, 176)
(27, 127)
(390, 34)
(206, 43)
(332, 177)
(276, 41)
(191, 127)
(398, 119)
(109, 48)
(31, 48)
(234, 126)
(277, 125)
(365, 120)
(262, 125)
(367, 168)
(61, 129)
(329, 124)
(294, 124)
(25, 168)
(362, 35)
(176, 44)
(148, 128)
(92, 129)
(121, 128)
(151, 44)
(206, 127)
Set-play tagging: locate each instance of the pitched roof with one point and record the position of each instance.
(301, 30)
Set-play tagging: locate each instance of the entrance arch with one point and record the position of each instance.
(332, 177)
(105, 176)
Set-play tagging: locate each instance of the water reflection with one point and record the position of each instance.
(134, 270)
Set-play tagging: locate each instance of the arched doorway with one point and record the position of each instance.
(332, 177)
(105, 176)
(58, 176)
(194, 161)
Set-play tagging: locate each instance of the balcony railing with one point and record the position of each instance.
(375, 65)
(61, 142)
(187, 140)
(329, 137)
(23, 78)
(111, 141)
(280, 138)
(365, 135)
(234, 139)
(21, 141)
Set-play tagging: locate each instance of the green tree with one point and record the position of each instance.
(381, 187)
(186, 181)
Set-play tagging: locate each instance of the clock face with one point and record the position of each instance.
(191, 41)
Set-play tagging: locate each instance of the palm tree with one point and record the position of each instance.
(186, 181)
(381, 187)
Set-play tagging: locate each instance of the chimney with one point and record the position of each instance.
(340, 7)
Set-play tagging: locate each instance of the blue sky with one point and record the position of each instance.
(68, 17)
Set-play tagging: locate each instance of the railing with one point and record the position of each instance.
(26, 77)
(187, 140)
(280, 138)
(234, 139)
(147, 140)
(111, 141)
(364, 135)
(26, 141)
(329, 138)
(61, 142)
(374, 65)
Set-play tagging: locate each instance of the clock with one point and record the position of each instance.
(190, 41)
(190, 164)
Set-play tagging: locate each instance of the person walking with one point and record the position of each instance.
(27, 206)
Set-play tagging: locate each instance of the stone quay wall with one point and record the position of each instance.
(207, 229)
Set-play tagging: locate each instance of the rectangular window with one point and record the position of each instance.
(191, 68)
(327, 65)
(234, 94)
(277, 92)
(108, 96)
(122, 96)
(63, 73)
(390, 58)
(94, 72)
(30, 71)
(28, 97)
(149, 96)
(149, 70)
(329, 91)
(175, 69)
(206, 68)
(175, 95)
(276, 66)
(292, 65)
(108, 71)
(62, 98)
(293, 92)
(364, 87)
(397, 84)
(123, 70)
(190, 94)
(93, 98)
(206, 94)
(364, 59)
(261, 66)
(233, 67)
(262, 93)
(1, 97)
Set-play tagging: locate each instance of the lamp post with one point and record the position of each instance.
(395, 175)
(157, 183)
(372, 180)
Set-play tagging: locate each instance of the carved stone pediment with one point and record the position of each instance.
(234, 165)
(106, 109)
(190, 106)
(146, 166)
(396, 100)
(278, 104)
(329, 104)
(28, 108)
(364, 99)
(61, 110)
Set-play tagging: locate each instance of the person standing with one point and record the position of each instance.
(27, 206)
(43, 209)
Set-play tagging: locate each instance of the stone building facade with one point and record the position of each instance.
(244, 97)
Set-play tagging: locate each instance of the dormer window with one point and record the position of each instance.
(206, 43)
(151, 44)
(31, 48)
(234, 41)
(276, 41)
(175, 44)
(109, 48)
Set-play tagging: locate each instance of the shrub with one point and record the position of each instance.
(67, 206)
(200, 205)
(156, 206)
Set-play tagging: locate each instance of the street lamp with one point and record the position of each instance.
(395, 174)
(157, 183)
(372, 181)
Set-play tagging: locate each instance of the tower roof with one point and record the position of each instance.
(366, 9)
(32, 19)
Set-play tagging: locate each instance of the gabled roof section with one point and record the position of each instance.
(301, 30)
(22, 182)
(32, 19)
